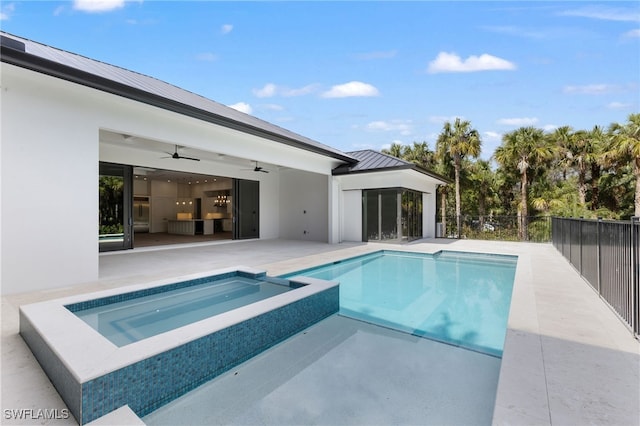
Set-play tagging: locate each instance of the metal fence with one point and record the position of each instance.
(502, 228)
(607, 254)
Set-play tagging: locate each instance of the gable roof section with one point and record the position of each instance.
(374, 161)
(139, 87)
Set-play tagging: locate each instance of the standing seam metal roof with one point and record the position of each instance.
(374, 161)
(83, 70)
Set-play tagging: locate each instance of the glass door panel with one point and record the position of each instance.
(246, 211)
(370, 223)
(115, 207)
(388, 215)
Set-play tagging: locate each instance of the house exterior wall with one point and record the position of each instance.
(429, 214)
(303, 206)
(49, 184)
(352, 222)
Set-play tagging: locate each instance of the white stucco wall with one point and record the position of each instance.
(303, 206)
(49, 183)
(352, 216)
(429, 215)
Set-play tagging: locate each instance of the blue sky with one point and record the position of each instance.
(359, 75)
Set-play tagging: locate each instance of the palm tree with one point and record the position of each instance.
(598, 140)
(523, 148)
(561, 137)
(580, 147)
(625, 147)
(396, 150)
(419, 154)
(458, 140)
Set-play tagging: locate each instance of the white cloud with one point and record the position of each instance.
(489, 136)
(269, 90)
(618, 105)
(605, 13)
(226, 28)
(549, 127)
(351, 89)
(305, 90)
(6, 11)
(206, 56)
(402, 126)
(632, 34)
(97, 6)
(242, 107)
(451, 62)
(273, 107)
(518, 122)
(590, 89)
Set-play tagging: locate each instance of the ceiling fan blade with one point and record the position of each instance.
(189, 158)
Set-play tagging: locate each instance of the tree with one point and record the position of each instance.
(458, 141)
(625, 147)
(524, 149)
(598, 140)
(396, 150)
(420, 154)
(561, 137)
(482, 181)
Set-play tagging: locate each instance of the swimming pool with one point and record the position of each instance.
(136, 318)
(454, 297)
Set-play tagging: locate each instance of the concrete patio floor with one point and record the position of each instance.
(567, 360)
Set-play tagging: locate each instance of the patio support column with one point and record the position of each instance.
(333, 210)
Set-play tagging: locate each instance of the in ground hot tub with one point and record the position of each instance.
(145, 345)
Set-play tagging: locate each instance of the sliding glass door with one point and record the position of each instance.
(380, 221)
(391, 215)
(115, 207)
(246, 209)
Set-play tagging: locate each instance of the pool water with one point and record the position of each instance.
(141, 317)
(457, 298)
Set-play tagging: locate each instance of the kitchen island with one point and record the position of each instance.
(190, 226)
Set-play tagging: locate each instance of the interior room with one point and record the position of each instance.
(171, 207)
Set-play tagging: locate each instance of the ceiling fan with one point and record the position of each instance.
(259, 169)
(177, 156)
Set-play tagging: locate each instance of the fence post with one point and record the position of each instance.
(635, 256)
(598, 252)
(581, 220)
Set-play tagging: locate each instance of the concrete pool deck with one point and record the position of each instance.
(567, 360)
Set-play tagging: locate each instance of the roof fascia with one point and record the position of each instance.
(415, 167)
(44, 66)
